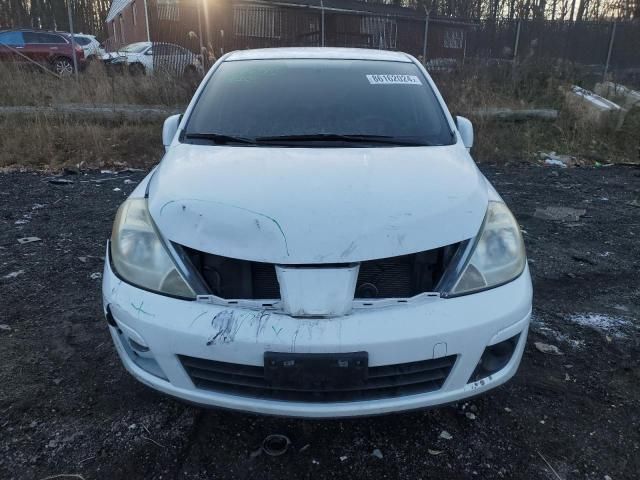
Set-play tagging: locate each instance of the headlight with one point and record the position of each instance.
(498, 256)
(138, 254)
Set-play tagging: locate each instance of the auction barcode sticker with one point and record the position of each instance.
(393, 80)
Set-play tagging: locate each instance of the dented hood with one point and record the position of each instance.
(310, 205)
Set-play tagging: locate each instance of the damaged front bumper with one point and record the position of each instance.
(214, 355)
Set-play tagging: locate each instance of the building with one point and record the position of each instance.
(215, 27)
(127, 22)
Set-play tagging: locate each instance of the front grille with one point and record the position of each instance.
(404, 276)
(231, 278)
(386, 381)
(395, 277)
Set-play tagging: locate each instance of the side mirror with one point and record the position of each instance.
(465, 128)
(169, 129)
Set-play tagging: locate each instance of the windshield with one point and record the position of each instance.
(135, 47)
(312, 102)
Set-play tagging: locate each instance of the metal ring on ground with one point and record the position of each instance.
(275, 445)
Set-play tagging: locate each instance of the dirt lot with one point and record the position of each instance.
(68, 407)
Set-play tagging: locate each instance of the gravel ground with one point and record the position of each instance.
(68, 407)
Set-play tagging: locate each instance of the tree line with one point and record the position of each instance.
(89, 15)
(563, 10)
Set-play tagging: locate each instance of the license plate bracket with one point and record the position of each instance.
(316, 371)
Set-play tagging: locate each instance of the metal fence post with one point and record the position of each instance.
(517, 42)
(73, 40)
(611, 39)
(426, 33)
(322, 22)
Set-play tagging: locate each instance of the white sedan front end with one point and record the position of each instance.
(317, 274)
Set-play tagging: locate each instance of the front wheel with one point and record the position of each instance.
(63, 66)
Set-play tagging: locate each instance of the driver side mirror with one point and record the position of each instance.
(169, 130)
(465, 128)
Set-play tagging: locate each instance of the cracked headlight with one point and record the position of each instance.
(498, 255)
(139, 256)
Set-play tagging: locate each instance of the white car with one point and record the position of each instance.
(90, 45)
(147, 58)
(317, 242)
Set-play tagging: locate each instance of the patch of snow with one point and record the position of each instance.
(541, 327)
(602, 322)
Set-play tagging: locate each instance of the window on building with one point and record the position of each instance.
(134, 13)
(257, 21)
(453, 38)
(122, 38)
(382, 32)
(168, 10)
(115, 31)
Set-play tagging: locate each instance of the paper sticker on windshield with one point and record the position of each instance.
(393, 80)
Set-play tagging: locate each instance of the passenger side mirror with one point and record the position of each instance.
(169, 129)
(465, 128)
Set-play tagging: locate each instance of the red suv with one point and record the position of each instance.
(53, 49)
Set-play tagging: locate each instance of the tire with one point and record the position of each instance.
(136, 69)
(62, 66)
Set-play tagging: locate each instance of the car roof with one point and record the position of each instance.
(37, 30)
(319, 53)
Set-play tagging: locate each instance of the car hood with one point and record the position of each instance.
(310, 205)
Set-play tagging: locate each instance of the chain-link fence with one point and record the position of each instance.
(210, 29)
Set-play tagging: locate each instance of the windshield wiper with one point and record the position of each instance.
(331, 137)
(219, 138)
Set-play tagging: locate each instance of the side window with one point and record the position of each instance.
(83, 41)
(13, 39)
(184, 51)
(40, 37)
(161, 49)
(51, 38)
(31, 37)
(176, 50)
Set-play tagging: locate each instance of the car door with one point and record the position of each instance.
(52, 46)
(35, 48)
(170, 59)
(161, 57)
(11, 46)
(182, 59)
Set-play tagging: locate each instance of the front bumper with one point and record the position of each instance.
(432, 328)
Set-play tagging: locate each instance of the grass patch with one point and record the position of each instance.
(95, 86)
(56, 141)
(51, 144)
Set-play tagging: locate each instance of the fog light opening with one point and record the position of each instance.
(494, 358)
(110, 320)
